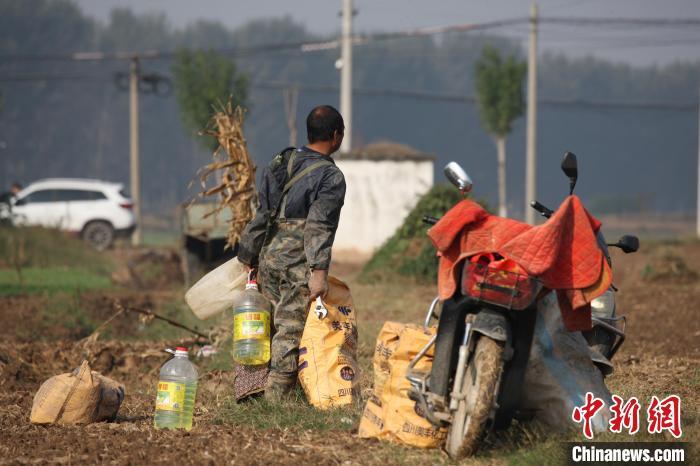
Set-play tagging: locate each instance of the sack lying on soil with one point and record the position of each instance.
(389, 414)
(111, 398)
(560, 372)
(215, 291)
(79, 397)
(328, 370)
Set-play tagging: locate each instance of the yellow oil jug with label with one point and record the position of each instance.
(251, 327)
(177, 389)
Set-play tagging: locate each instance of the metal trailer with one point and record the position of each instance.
(203, 239)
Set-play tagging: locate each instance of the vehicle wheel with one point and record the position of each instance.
(99, 235)
(479, 389)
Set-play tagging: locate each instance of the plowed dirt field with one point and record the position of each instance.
(659, 293)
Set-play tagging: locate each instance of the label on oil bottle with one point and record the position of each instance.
(171, 396)
(251, 325)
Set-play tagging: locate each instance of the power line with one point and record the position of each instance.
(637, 45)
(560, 31)
(612, 104)
(317, 46)
(418, 95)
(602, 21)
(57, 77)
(456, 98)
(401, 93)
(301, 46)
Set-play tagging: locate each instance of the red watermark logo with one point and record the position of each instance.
(665, 415)
(584, 414)
(625, 415)
(662, 415)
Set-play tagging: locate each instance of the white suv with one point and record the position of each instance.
(97, 210)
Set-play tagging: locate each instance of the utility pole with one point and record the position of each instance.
(346, 75)
(135, 82)
(697, 219)
(531, 155)
(134, 146)
(291, 97)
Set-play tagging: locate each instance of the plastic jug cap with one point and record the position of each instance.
(251, 285)
(181, 351)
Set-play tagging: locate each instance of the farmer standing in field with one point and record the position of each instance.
(290, 238)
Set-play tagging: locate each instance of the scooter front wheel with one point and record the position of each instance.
(478, 394)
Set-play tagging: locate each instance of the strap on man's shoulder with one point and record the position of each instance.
(283, 205)
(304, 172)
(279, 158)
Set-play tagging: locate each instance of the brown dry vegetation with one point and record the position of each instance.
(661, 356)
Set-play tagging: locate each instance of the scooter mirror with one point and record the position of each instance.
(458, 177)
(569, 166)
(628, 243)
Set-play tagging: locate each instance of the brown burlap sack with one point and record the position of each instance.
(79, 397)
(111, 398)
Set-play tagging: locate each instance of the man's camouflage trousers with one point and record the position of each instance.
(283, 275)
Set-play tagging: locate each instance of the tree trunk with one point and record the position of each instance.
(501, 148)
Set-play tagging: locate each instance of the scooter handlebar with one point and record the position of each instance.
(430, 220)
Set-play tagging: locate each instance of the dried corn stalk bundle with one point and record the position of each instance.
(235, 180)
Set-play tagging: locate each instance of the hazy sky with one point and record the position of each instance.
(638, 45)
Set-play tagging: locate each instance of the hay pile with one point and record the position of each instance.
(235, 181)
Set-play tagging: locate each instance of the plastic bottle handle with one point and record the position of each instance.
(321, 311)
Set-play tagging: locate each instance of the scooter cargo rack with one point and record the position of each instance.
(501, 288)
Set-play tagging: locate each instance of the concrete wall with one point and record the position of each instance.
(379, 196)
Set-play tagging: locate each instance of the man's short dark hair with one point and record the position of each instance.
(322, 122)
(16, 185)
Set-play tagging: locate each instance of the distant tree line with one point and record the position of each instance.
(79, 127)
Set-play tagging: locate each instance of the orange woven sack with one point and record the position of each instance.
(328, 369)
(389, 413)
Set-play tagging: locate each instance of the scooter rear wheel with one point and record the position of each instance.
(479, 386)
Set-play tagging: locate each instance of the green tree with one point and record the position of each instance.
(202, 80)
(499, 87)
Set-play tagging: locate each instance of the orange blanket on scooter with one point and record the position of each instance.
(563, 252)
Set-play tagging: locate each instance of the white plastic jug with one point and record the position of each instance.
(177, 390)
(216, 291)
(251, 326)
